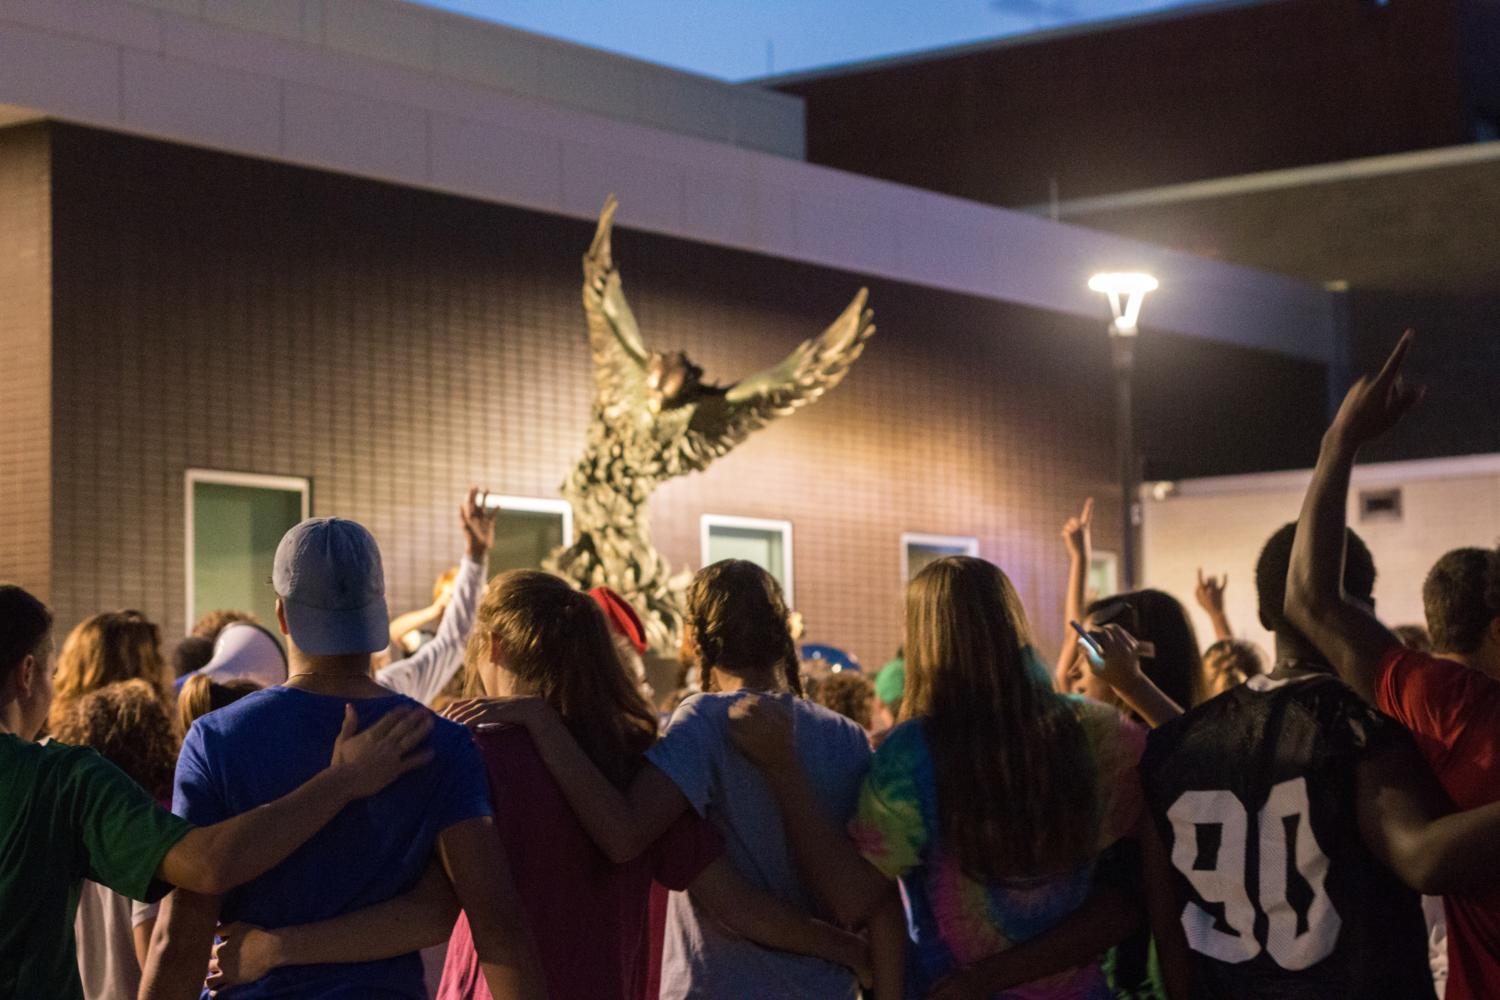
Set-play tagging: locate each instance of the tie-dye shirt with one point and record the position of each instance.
(954, 920)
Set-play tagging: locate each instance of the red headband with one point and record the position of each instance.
(621, 617)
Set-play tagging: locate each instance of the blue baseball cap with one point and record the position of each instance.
(332, 588)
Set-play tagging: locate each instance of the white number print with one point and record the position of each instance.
(1285, 838)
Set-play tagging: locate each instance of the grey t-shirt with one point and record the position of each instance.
(702, 958)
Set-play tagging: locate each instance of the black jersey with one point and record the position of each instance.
(1254, 795)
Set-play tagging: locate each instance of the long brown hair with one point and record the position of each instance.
(1015, 779)
(739, 622)
(129, 725)
(106, 649)
(555, 642)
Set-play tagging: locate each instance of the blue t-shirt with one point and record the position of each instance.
(700, 958)
(266, 745)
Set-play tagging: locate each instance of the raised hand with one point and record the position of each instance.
(385, 750)
(476, 712)
(1210, 592)
(762, 730)
(1374, 405)
(1076, 534)
(243, 954)
(477, 519)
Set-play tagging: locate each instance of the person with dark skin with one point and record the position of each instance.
(1452, 711)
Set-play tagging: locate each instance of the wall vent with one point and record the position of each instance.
(1380, 505)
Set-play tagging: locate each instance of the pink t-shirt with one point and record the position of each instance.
(589, 917)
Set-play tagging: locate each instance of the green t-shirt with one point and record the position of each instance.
(67, 814)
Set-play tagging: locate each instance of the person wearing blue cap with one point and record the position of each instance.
(67, 814)
(331, 608)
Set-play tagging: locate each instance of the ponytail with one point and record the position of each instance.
(201, 694)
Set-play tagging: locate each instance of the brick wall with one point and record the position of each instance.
(1207, 94)
(395, 345)
(25, 358)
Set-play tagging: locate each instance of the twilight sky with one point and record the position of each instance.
(740, 39)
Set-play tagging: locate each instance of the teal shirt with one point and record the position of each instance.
(67, 814)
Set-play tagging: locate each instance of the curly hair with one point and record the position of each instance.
(849, 693)
(128, 724)
(211, 624)
(1229, 663)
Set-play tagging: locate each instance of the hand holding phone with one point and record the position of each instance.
(1090, 644)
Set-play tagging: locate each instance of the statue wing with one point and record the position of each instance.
(817, 365)
(614, 340)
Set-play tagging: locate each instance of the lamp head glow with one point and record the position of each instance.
(1125, 290)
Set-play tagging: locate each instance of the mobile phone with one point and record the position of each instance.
(1088, 642)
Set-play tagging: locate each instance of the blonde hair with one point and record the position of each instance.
(1016, 783)
(106, 649)
(202, 694)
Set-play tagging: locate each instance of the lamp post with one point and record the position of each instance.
(1126, 291)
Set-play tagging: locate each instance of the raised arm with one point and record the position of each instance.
(412, 621)
(849, 887)
(1078, 539)
(622, 824)
(214, 859)
(1346, 632)
(423, 675)
(417, 919)
(1210, 596)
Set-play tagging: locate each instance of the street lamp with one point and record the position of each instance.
(1126, 291)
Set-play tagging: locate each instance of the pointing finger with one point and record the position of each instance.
(1393, 363)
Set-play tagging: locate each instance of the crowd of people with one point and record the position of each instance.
(1143, 817)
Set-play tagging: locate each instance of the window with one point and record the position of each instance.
(1104, 576)
(234, 522)
(919, 550)
(528, 530)
(768, 544)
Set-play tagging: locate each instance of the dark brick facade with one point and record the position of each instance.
(1205, 94)
(25, 358)
(394, 346)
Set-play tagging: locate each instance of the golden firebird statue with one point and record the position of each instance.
(656, 418)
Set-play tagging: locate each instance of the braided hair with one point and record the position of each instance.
(738, 618)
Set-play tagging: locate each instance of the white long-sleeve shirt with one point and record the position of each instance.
(423, 675)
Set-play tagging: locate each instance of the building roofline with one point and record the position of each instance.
(145, 69)
(1046, 35)
(1272, 180)
(1365, 474)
